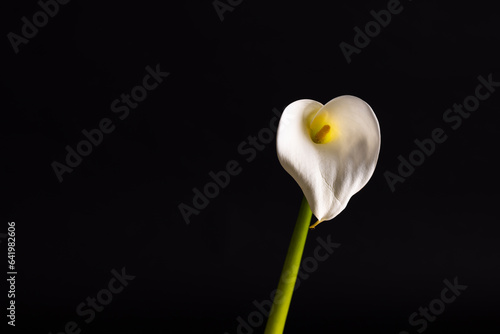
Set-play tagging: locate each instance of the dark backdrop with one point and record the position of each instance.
(118, 209)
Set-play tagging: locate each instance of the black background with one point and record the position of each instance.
(119, 208)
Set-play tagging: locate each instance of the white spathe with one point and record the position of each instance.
(329, 174)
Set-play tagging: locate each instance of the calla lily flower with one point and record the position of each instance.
(330, 150)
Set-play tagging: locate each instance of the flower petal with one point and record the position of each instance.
(329, 173)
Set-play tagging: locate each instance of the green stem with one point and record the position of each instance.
(286, 285)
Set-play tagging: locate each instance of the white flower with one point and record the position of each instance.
(330, 150)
